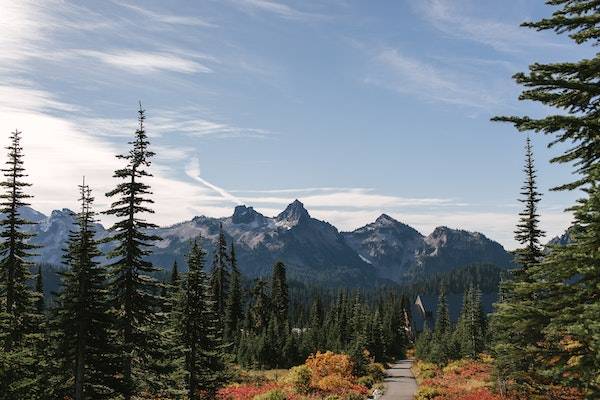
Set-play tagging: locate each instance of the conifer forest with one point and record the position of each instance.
(131, 312)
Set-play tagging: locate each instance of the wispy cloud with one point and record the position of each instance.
(164, 122)
(192, 170)
(415, 77)
(146, 61)
(276, 8)
(167, 18)
(452, 18)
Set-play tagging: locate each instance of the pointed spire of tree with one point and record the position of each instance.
(18, 298)
(220, 273)
(199, 328)
(233, 306)
(83, 321)
(279, 293)
(528, 233)
(40, 304)
(174, 274)
(132, 285)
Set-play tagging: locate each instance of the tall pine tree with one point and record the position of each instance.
(566, 299)
(517, 326)
(279, 293)
(200, 334)
(83, 321)
(18, 298)
(220, 274)
(233, 305)
(132, 288)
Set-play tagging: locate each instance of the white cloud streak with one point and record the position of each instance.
(144, 61)
(169, 19)
(452, 18)
(408, 75)
(192, 170)
(277, 8)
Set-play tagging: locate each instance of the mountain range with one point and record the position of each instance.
(385, 250)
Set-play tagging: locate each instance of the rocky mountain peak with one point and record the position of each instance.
(293, 214)
(245, 215)
(385, 219)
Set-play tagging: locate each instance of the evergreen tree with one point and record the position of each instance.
(18, 298)
(199, 329)
(563, 298)
(279, 293)
(517, 327)
(220, 274)
(528, 232)
(439, 351)
(20, 324)
(471, 328)
(132, 288)
(174, 275)
(85, 353)
(233, 306)
(40, 304)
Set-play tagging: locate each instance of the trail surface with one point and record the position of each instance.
(400, 383)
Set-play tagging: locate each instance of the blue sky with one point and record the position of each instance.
(354, 107)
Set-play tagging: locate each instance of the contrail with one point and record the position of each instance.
(193, 171)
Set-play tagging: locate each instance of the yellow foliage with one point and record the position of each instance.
(325, 364)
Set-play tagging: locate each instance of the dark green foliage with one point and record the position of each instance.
(17, 297)
(85, 355)
(40, 304)
(220, 274)
(20, 324)
(279, 293)
(132, 287)
(471, 330)
(528, 232)
(561, 300)
(517, 327)
(198, 328)
(233, 306)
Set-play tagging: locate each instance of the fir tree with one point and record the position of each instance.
(132, 287)
(40, 304)
(233, 306)
(85, 353)
(199, 329)
(564, 301)
(279, 293)
(174, 275)
(18, 298)
(518, 329)
(20, 324)
(439, 351)
(220, 274)
(528, 232)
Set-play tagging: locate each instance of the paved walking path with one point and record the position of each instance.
(400, 383)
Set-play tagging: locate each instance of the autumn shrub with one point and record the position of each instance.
(300, 378)
(275, 394)
(329, 363)
(244, 392)
(425, 370)
(427, 393)
(366, 381)
(376, 371)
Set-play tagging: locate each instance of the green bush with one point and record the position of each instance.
(354, 396)
(299, 377)
(271, 395)
(376, 371)
(427, 393)
(367, 381)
